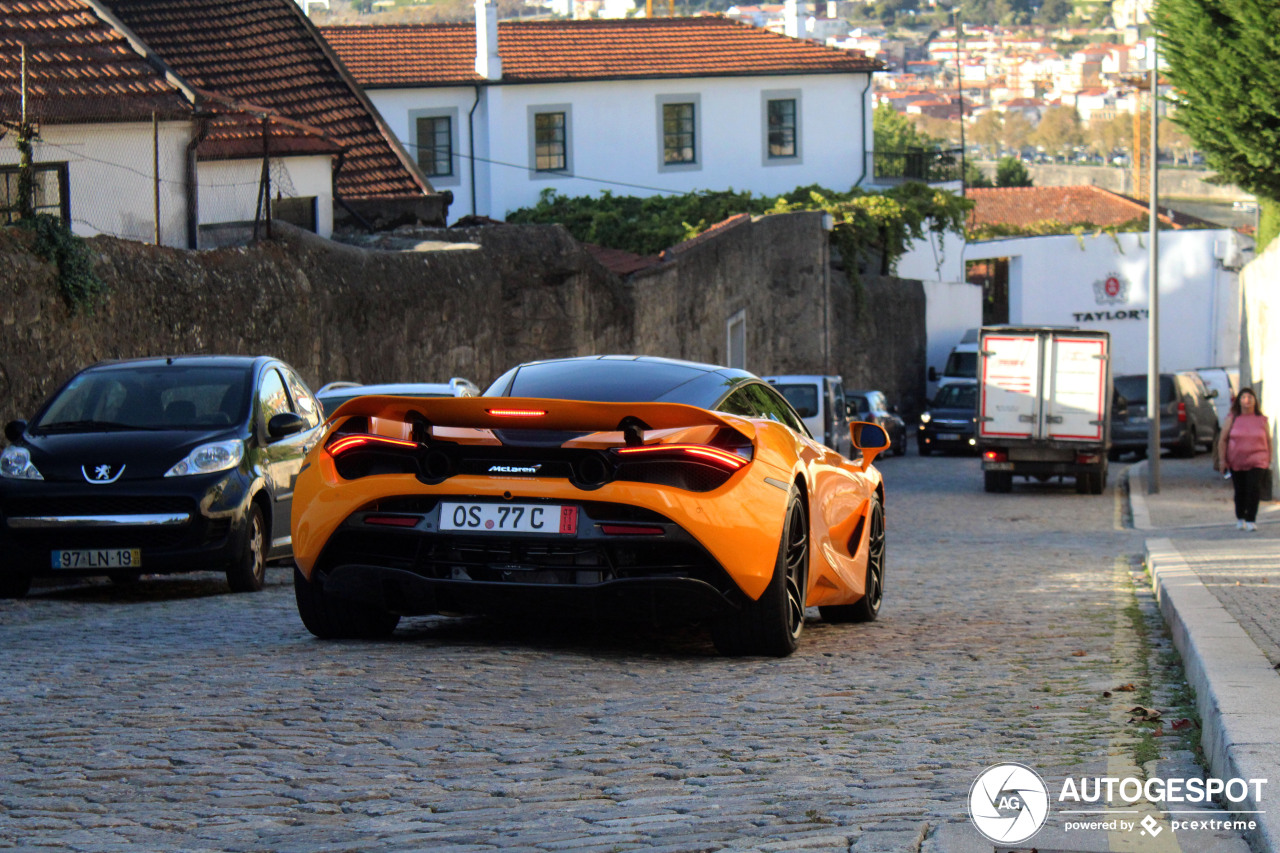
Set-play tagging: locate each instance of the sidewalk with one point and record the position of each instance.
(1219, 590)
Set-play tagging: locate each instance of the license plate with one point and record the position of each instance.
(997, 466)
(509, 518)
(1139, 420)
(98, 558)
(948, 436)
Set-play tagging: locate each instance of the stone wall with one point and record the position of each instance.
(461, 302)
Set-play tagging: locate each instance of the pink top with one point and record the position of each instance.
(1248, 443)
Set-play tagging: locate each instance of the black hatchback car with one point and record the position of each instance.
(950, 421)
(156, 466)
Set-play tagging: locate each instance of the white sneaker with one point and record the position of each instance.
(1250, 526)
(1239, 524)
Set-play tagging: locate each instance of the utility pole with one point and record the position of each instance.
(960, 89)
(1153, 286)
(26, 168)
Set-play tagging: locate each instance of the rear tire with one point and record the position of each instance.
(772, 624)
(867, 608)
(925, 449)
(249, 571)
(1188, 445)
(900, 446)
(335, 619)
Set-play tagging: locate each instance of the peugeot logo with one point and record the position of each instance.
(101, 474)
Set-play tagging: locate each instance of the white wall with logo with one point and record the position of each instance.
(1101, 282)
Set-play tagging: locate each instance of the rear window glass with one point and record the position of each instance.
(803, 398)
(600, 380)
(1134, 389)
(165, 397)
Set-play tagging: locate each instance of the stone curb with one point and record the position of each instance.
(1237, 691)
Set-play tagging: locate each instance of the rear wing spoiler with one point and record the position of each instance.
(536, 413)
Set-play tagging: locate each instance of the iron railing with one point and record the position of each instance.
(932, 166)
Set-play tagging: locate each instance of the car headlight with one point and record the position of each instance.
(208, 458)
(925, 417)
(15, 463)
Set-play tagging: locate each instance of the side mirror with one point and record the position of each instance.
(13, 431)
(285, 423)
(933, 374)
(869, 438)
(1213, 392)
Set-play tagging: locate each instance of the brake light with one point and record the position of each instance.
(392, 520)
(701, 452)
(995, 456)
(1182, 413)
(631, 530)
(347, 443)
(516, 413)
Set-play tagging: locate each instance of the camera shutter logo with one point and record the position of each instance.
(1008, 803)
(1112, 290)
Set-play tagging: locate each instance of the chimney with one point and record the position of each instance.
(791, 19)
(488, 63)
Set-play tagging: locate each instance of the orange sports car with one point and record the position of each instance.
(605, 485)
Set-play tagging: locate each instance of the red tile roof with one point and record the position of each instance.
(266, 52)
(555, 51)
(1026, 206)
(79, 69)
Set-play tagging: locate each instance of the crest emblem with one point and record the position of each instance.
(101, 474)
(1111, 290)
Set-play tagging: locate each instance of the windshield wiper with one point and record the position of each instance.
(91, 426)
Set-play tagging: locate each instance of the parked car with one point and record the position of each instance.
(156, 465)
(820, 401)
(873, 407)
(334, 394)
(1187, 415)
(950, 421)
(1224, 380)
(619, 485)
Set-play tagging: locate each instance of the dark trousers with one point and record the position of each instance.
(1248, 487)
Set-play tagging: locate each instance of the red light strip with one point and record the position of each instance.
(392, 520)
(352, 442)
(630, 530)
(714, 454)
(516, 413)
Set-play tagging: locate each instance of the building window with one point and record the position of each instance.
(550, 145)
(782, 128)
(435, 146)
(52, 192)
(679, 134)
(736, 332)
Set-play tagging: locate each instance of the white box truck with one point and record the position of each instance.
(1044, 405)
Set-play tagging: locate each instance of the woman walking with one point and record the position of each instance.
(1245, 451)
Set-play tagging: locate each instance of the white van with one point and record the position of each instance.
(962, 365)
(1224, 380)
(819, 400)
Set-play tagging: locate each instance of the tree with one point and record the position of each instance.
(1059, 130)
(892, 131)
(1224, 66)
(975, 177)
(1010, 172)
(1174, 138)
(986, 131)
(1016, 131)
(1107, 135)
(1054, 12)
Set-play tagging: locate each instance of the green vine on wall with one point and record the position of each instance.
(77, 281)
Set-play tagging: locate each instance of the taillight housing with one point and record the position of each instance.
(995, 456)
(694, 467)
(704, 453)
(357, 455)
(1182, 412)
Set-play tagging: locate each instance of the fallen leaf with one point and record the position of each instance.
(1079, 653)
(1143, 715)
(1184, 723)
(1158, 731)
(1126, 688)
(1106, 694)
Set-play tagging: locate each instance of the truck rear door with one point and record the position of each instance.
(1009, 376)
(1076, 374)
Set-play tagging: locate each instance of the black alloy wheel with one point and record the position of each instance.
(772, 624)
(867, 608)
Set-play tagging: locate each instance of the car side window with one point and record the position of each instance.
(304, 402)
(272, 398)
(772, 406)
(739, 403)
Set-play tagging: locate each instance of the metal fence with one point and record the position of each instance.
(931, 166)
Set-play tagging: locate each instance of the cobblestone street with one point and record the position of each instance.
(175, 716)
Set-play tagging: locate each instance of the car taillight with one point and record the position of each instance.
(694, 452)
(347, 443)
(995, 456)
(1182, 413)
(631, 530)
(516, 413)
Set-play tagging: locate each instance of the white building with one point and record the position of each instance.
(499, 113)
